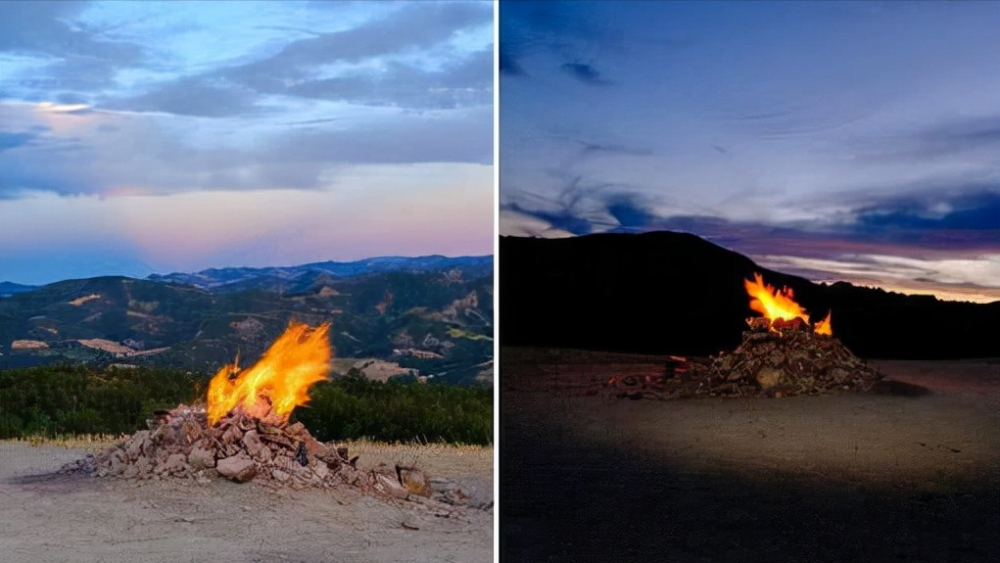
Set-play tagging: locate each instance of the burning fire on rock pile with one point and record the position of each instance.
(779, 307)
(782, 354)
(244, 432)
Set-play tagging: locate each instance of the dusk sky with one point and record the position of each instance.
(142, 137)
(855, 141)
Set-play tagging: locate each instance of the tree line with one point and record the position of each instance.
(74, 400)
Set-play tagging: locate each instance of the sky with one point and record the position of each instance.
(156, 137)
(854, 141)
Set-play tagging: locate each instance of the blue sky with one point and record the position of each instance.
(140, 137)
(855, 141)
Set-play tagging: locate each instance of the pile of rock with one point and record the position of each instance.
(180, 444)
(777, 359)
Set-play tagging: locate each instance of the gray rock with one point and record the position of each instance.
(239, 468)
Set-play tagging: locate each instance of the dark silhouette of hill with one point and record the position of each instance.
(667, 292)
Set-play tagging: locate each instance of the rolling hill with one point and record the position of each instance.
(667, 292)
(435, 320)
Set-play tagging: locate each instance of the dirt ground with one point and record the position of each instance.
(52, 518)
(852, 477)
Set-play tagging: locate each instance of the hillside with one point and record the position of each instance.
(10, 288)
(435, 322)
(666, 292)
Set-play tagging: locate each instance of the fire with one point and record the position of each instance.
(823, 327)
(277, 383)
(781, 304)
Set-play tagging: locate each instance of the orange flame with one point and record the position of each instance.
(277, 383)
(780, 304)
(823, 327)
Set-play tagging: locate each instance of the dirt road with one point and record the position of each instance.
(828, 478)
(46, 518)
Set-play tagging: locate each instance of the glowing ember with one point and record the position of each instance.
(775, 305)
(277, 383)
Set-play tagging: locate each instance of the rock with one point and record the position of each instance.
(117, 461)
(265, 455)
(201, 457)
(280, 475)
(191, 431)
(313, 446)
(138, 444)
(769, 377)
(165, 435)
(414, 480)
(253, 444)
(239, 468)
(231, 435)
(143, 464)
(389, 486)
(321, 471)
(175, 463)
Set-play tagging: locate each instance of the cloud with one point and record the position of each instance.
(584, 73)
(418, 26)
(629, 212)
(193, 96)
(583, 209)
(562, 220)
(88, 158)
(508, 64)
(10, 140)
(407, 86)
(976, 208)
(955, 136)
(561, 28)
(71, 58)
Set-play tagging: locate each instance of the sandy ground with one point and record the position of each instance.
(853, 477)
(50, 518)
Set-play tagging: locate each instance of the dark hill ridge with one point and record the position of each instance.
(666, 292)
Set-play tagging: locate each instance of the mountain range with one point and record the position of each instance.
(295, 278)
(676, 293)
(429, 316)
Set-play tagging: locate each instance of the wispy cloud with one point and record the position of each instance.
(168, 99)
(772, 128)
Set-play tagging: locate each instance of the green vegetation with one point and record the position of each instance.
(72, 400)
(352, 408)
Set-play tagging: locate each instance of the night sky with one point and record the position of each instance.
(141, 137)
(855, 141)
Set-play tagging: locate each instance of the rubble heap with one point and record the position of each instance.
(180, 444)
(782, 354)
(777, 359)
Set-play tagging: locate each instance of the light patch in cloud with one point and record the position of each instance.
(974, 279)
(416, 209)
(523, 225)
